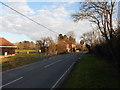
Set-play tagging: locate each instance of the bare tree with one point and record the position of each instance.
(61, 47)
(100, 13)
(43, 44)
(71, 37)
(92, 38)
(70, 33)
(46, 41)
(38, 44)
(52, 48)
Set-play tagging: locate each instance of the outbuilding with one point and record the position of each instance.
(6, 48)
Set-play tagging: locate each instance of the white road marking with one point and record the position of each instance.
(11, 82)
(25, 65)
(62, 76)
(51, 64)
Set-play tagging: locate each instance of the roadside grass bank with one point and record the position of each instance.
(25, 51)
(22, 59)
(93, 72)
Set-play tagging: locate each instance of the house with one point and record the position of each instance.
(81, 47)
(6, 48)
(70, 47)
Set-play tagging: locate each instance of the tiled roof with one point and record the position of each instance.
(4, 42)
(67, 42)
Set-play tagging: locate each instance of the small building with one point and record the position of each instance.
(6, 48)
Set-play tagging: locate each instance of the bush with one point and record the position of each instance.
(109, 49)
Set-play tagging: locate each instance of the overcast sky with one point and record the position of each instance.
(54, 15)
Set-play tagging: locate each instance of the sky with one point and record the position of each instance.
(119, 10)
(54, 15)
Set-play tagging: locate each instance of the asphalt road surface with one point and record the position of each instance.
(42, 74)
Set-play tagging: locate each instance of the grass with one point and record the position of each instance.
(21, 59)
(25, 51)
(93, 72)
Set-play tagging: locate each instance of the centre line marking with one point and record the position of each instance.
(11, 82)
(51, 64)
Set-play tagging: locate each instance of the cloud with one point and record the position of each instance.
(21, 7)
(54, 18)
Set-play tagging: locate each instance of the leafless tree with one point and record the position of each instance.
(25, 45)
(70, 33)
(92, 38)
(52, 48)
(38, 44)
(46, 41)
(61, 47)
(100, 13)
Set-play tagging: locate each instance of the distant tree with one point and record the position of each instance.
(60, 37)
(71, 37)
(19, 45)
(38, 44)
(88, 37)
(71, 40)
(81, 42)
(71, 34)
(45, 43)
(61, 43)
(32, 45)
(52, 48)
(92, 37)
(65, 38)
(61, 47)
(25, 45)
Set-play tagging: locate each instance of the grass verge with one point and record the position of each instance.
(21, 59)
(93, 72)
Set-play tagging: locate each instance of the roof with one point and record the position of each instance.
(4, 42)
(67, 42)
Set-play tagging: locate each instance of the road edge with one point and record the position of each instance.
(65, 75)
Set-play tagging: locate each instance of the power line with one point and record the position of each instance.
(27, 17)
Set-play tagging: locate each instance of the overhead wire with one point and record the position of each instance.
(29, 18)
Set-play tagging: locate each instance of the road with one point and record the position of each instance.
(42, 74)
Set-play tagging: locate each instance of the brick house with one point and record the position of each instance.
(6, 48)
(70, 47)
